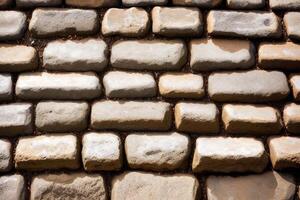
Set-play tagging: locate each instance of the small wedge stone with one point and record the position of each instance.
(6, 87)
(295, 83)
(196, 117)
(181, 85)
(245, 4)
(291, 116)
(92, 3)
(197, 3)
(285, 5)
(157, 151)
(5, 156)
(38, 3)
(12, 187)
(76, 55)
(12, 25)
(291, 20)
(102, 151)
(131, 22)
(130, 3)
(47, 152)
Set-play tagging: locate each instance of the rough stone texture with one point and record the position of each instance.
(5, 156)
(157, 151)
(130, 3)
(131, 22)
(54, 116)
(249, 86)
(17, 58)
(243, 24)
(68, 186)
(285, 5)
(12, 187)
(291, 20)
(284, 56)
(246, 4)
(251, 120)
(38, 3)
(43, 85)
(47, 152)
(177, 21)
(149, 55)
(220, 154)
(5, 3)
(12, 25)
(198, 3)
(197, 117)
(131, 115)
(6, 87)
(214, 54)
(120, 84)
(266, 186)
(102, 151)
(181, 85)
(76, 55)
(62, 22)
(15, 119)
(291, 116)
(92, 3)
(295, 83)
(147, 186)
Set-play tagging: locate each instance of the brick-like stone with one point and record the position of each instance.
(249, 86)
(220, 154)
(267, 186)
(216, 54)
(5, 156)
(130, 3)
(68, 186)
(285, 5)
(148, 186)
(12, 25)
(38, 3)
(15, 119)
(291, 116)
(251, 119)
(102, 151)
(63, 22)
(246, 4)
(131, 22)
(54, 116)
(120, 84)
(291, 22)
(43, 85)
(295, 83)
(177, 21)
(149, 55)
(6, 87)
(92, 3)
(76, 55)
(243, 24)
(197, 3)
(17, 58)
(5, 3)
(157, 151)
(131, 115)
(181, 85)
(284, 152)
(283, 56)
(197, 117)
(12, 187)
(47, 152)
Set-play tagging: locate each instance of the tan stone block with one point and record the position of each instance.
(291, 117)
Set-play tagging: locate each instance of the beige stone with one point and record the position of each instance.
(92, 3)
(295, 83)
(291, 116)
(6, 87)
(12, 25)
(12, 187)
(143, 2)
(5, 156)
(38, 3)
(285, 5)
(291, 20)
(245, 4)
(198, 3)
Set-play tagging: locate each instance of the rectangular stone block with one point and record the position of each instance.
(131, 115)
(291, 22)
(220, 154)
(130, 3)
(197, 3)
(249, 86)
(12, 25)
(246, 4)
(291, 117)
(149, 55)
(295, 83)
(5, 156)
(285, 5)
(38, 3)
(44, 85)
(12, 187)
(92, 3)
(47, 152)
(6, 87)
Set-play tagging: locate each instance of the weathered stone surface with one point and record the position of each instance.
(177, 21)
(157, 151)
(250, 86)
(47, 152)
(266, 186)
(284, 56)
(245, 4)
(147, 186)
(12, 25)
(120, 84)
(43, 85)
(243, 24)
(144, 2)
(181, 85)
(5, 3)
(286, 4)
(149, 55)
(131, 22)
(291, 116)
(62, 22)
(76, 55)
(291, 20)
(131, 115)
(5, 156)
(68, 186)
(220, 154)
(284, 152)
(12, 187)
(197, 117)
(92, 3)
(54, 116)
(295, 83)
(251, 119)
(214, 54)
(102, 151)
(6, 87)
(15, 119)
(17, 58)
(38, 3)
(198, 3)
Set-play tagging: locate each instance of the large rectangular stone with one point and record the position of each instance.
(131, 115)
(285, 5)
(291, 118)
(43, 85)
(38, 3)
(92, 3)
(6, 87)
(5, 156)
(12, 25)
(249, 86)
(12, 187)
(197, 3)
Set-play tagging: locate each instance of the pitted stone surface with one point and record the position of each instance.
(5, 156)
(12, 25)
(6, 84)
(12, 187)
(92, 3)
(291, 117)
(38, 3)
(198, 3)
